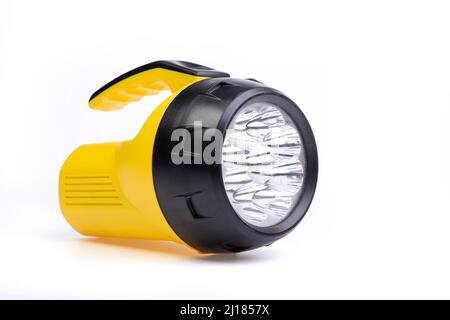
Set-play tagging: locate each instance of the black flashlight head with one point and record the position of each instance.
(192, 195)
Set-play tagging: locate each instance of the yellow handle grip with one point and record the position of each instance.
(148, 80)
(107, 189)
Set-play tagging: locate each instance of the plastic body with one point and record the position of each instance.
(107, 189)
(133, 189)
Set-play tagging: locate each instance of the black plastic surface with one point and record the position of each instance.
(174, 65)
(192, 196)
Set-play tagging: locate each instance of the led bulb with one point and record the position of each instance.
(263, 164)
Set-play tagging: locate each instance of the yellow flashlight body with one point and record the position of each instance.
(107, 189)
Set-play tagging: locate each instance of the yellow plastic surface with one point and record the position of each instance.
(107, 189)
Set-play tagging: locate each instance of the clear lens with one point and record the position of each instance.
(262, 164)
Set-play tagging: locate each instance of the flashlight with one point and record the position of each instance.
(221, 165)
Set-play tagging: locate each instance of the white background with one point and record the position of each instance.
(373, 78)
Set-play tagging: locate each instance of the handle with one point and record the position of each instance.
(149, 79)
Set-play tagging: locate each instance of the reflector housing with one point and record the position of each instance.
(262, 164)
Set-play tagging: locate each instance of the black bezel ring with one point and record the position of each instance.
(192, 196)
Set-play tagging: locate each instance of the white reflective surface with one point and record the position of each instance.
(262, 164)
